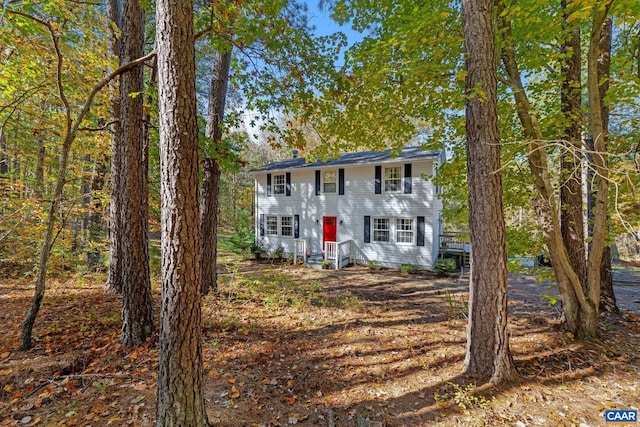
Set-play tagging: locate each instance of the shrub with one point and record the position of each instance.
(444, 266)
(409, 268)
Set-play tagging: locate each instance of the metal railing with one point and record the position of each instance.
(453, 240)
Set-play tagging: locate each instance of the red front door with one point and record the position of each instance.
(329, 229)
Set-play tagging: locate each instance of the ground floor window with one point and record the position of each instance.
(404, 230)
(380, 229)
(272, 225)
(286, 226)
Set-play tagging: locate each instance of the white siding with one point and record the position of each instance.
(350, 209)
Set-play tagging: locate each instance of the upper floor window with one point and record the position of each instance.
(404, 230)
(286, 226)
(279, 184)
(272, 224)
(380, 229)
(329, 182)
(392, 179)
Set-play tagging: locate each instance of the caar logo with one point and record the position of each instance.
(621, 417)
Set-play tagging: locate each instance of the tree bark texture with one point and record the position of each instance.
(137, 315)
(211, 174)
(4, 157)
(571, 201)
(600, 166)
(180, 394)
(607, 296)
(114, 279)
(488, 352)
(575, 300)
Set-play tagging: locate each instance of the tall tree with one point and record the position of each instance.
(487, 336)
(571, 204)
(211, 171)
(607, 297)
(114, 279)
(137, 316)
(180, 399)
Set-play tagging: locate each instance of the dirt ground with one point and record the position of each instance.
(287, 345)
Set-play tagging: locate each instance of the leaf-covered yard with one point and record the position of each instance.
(290, 346)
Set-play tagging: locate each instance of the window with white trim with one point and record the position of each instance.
(286, 226)
(381, 229)
(279, 184)
(329, 182)
(272, 225)
(404, 230)
(393, 179)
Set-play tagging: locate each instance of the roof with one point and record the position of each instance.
(360, 158)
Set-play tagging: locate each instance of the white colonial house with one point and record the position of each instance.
(366, 206)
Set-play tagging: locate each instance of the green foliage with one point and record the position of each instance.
(458, 305)
(463, 396)
(409, 268)
(444, 266)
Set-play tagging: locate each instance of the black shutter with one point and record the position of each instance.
(367, 229)
(378, 179)
(268, 184)
(420, 236)
(296, 226)
(317, 183)
(261, 224)
(288, 188)
(407, 178)
(340, 182)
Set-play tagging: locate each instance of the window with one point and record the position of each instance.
(286, 226)
(272, 225)
(381, 229)
(404, 230)
(279, 184)
(329, 182)
(392, 179)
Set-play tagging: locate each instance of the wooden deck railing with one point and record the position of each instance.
(454, 241)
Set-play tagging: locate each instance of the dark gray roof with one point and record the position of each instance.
(363, 157)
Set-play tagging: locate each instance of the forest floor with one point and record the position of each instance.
(286, 345)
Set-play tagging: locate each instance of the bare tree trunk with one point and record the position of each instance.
(137, 314)
(576, 303)
(114, 279)
(487, 336)
(38, 188)
(180, 400)
(571, 204)
(211, 174)
(5, 162)
(94, 216)
(607, 296)
(600, 165)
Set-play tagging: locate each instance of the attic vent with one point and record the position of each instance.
(295, 154)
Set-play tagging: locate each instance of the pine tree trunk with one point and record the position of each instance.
(488, 352)
(180, 399)
(94, 216)
(137, 315)
(211, 174)
(114, 279)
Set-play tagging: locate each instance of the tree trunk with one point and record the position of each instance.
(38, 188)
(137, 315)
(114, 279)
(94, 217)
(571, 204)
(600, 165)
(180, 399)
(575, 300)
(607, 296)
(4, 154)
(488, 352)
(211, 174)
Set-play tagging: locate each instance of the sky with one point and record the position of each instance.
(324, 25)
